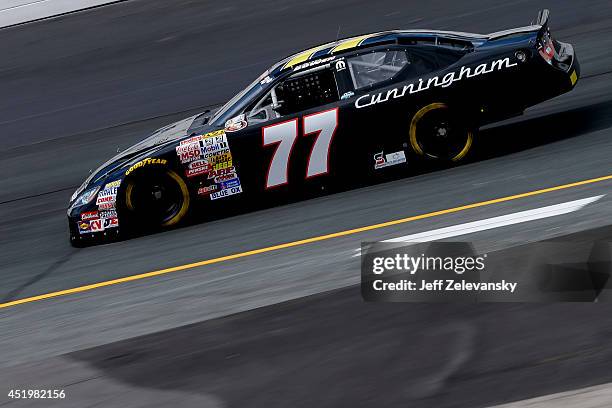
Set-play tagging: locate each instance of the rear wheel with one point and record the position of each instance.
(436, 132)
(158, 198)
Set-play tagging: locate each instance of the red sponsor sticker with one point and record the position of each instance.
(90, 215)
(110, 223)
(188, 152)
(221, 172)
(198, 168)
(225, 177)
(105, 199)
(96, 225)
(207, 190)
(191, 140)
(106, 206)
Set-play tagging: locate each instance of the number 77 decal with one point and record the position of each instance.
(285, 134)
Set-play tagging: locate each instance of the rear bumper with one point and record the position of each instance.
(566, 61)
(551, 79)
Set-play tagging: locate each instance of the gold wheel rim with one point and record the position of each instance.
(416, 147)
(181, 213)
(184, 191)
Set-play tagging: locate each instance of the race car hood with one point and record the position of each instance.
(157, 140)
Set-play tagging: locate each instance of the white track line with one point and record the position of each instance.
(495, 222)
(599, 396)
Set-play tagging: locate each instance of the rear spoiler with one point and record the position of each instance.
(540, 25)
(542, 21)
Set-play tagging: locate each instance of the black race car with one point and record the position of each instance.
(354, 109)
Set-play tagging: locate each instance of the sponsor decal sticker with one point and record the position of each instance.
(223, 165)
(194, 139)
(214, 139)
(90, 215)
(112, 184)
(96, 225)
(207, 190)
(436, 81)
(216, 149)
(108, 214)
(214, 160)
(110, 223)
(236, 124)
(83, 227)
(381, 160)
(226, 193)
(220, 158)
(230, 183)
(106, 206)
(188, 152)
(198, 168)
(222, 172)
(145, 162)
(216, 133)
(225, 177)
(106, 198)
(107, 192)
(347, 95)
(314, 63)
(213, 155)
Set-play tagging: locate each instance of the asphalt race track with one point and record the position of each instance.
(284, 327)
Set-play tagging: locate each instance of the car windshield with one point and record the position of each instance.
(237, 103)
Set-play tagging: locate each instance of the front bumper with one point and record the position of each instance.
(90, 224)
(91, 231)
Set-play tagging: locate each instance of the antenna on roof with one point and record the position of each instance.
(338, 33)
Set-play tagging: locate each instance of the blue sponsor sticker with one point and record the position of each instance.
(230, 183)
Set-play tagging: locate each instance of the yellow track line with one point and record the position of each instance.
(301, 242)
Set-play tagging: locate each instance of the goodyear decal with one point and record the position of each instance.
(145, 162)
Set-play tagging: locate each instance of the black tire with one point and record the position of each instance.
(438, 133)
(155, 198)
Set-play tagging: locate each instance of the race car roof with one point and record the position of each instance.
(368, 40)
(386, 37)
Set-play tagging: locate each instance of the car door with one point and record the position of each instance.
(288, 146)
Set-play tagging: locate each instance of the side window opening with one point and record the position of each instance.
(262, 111)
(448, 56)
(301, 91)
(307, 90)
(420, 63)
(374, 67)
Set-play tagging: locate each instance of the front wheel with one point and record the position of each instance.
(437, 132)
(156, 199)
